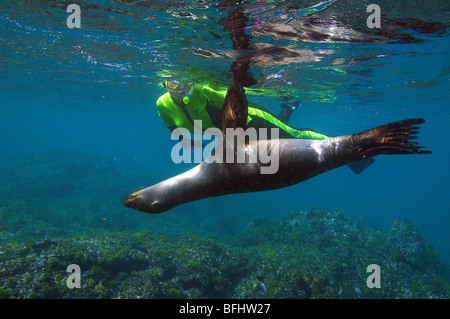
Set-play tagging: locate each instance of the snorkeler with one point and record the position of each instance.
(186, 101)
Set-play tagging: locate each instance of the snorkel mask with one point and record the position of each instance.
(177, 85)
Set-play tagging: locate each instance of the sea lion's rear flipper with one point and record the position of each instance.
(392, 138)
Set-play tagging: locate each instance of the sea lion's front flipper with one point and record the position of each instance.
(235, 107)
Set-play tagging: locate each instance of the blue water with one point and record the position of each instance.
(80, 103)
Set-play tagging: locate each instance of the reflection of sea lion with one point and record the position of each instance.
(299, 160)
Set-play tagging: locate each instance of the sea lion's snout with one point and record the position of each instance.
(138, 201)
(132, 201)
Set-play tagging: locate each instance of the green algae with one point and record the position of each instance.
(311, 254)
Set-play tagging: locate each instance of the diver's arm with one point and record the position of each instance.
(215, 98)
(164, 114)
(170, 123)
(288, 105)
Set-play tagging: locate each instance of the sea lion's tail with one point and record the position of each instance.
(392, 138)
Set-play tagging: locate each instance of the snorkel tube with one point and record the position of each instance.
(187, 97)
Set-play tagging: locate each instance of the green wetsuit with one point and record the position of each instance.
(206, 104)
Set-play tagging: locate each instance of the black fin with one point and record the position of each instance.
(359, 166)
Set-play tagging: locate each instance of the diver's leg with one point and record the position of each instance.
(288, 105)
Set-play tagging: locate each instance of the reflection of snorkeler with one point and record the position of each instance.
(185, 102)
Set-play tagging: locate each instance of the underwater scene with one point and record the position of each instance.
(92, 89)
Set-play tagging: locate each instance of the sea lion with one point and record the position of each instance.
(299, 159)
